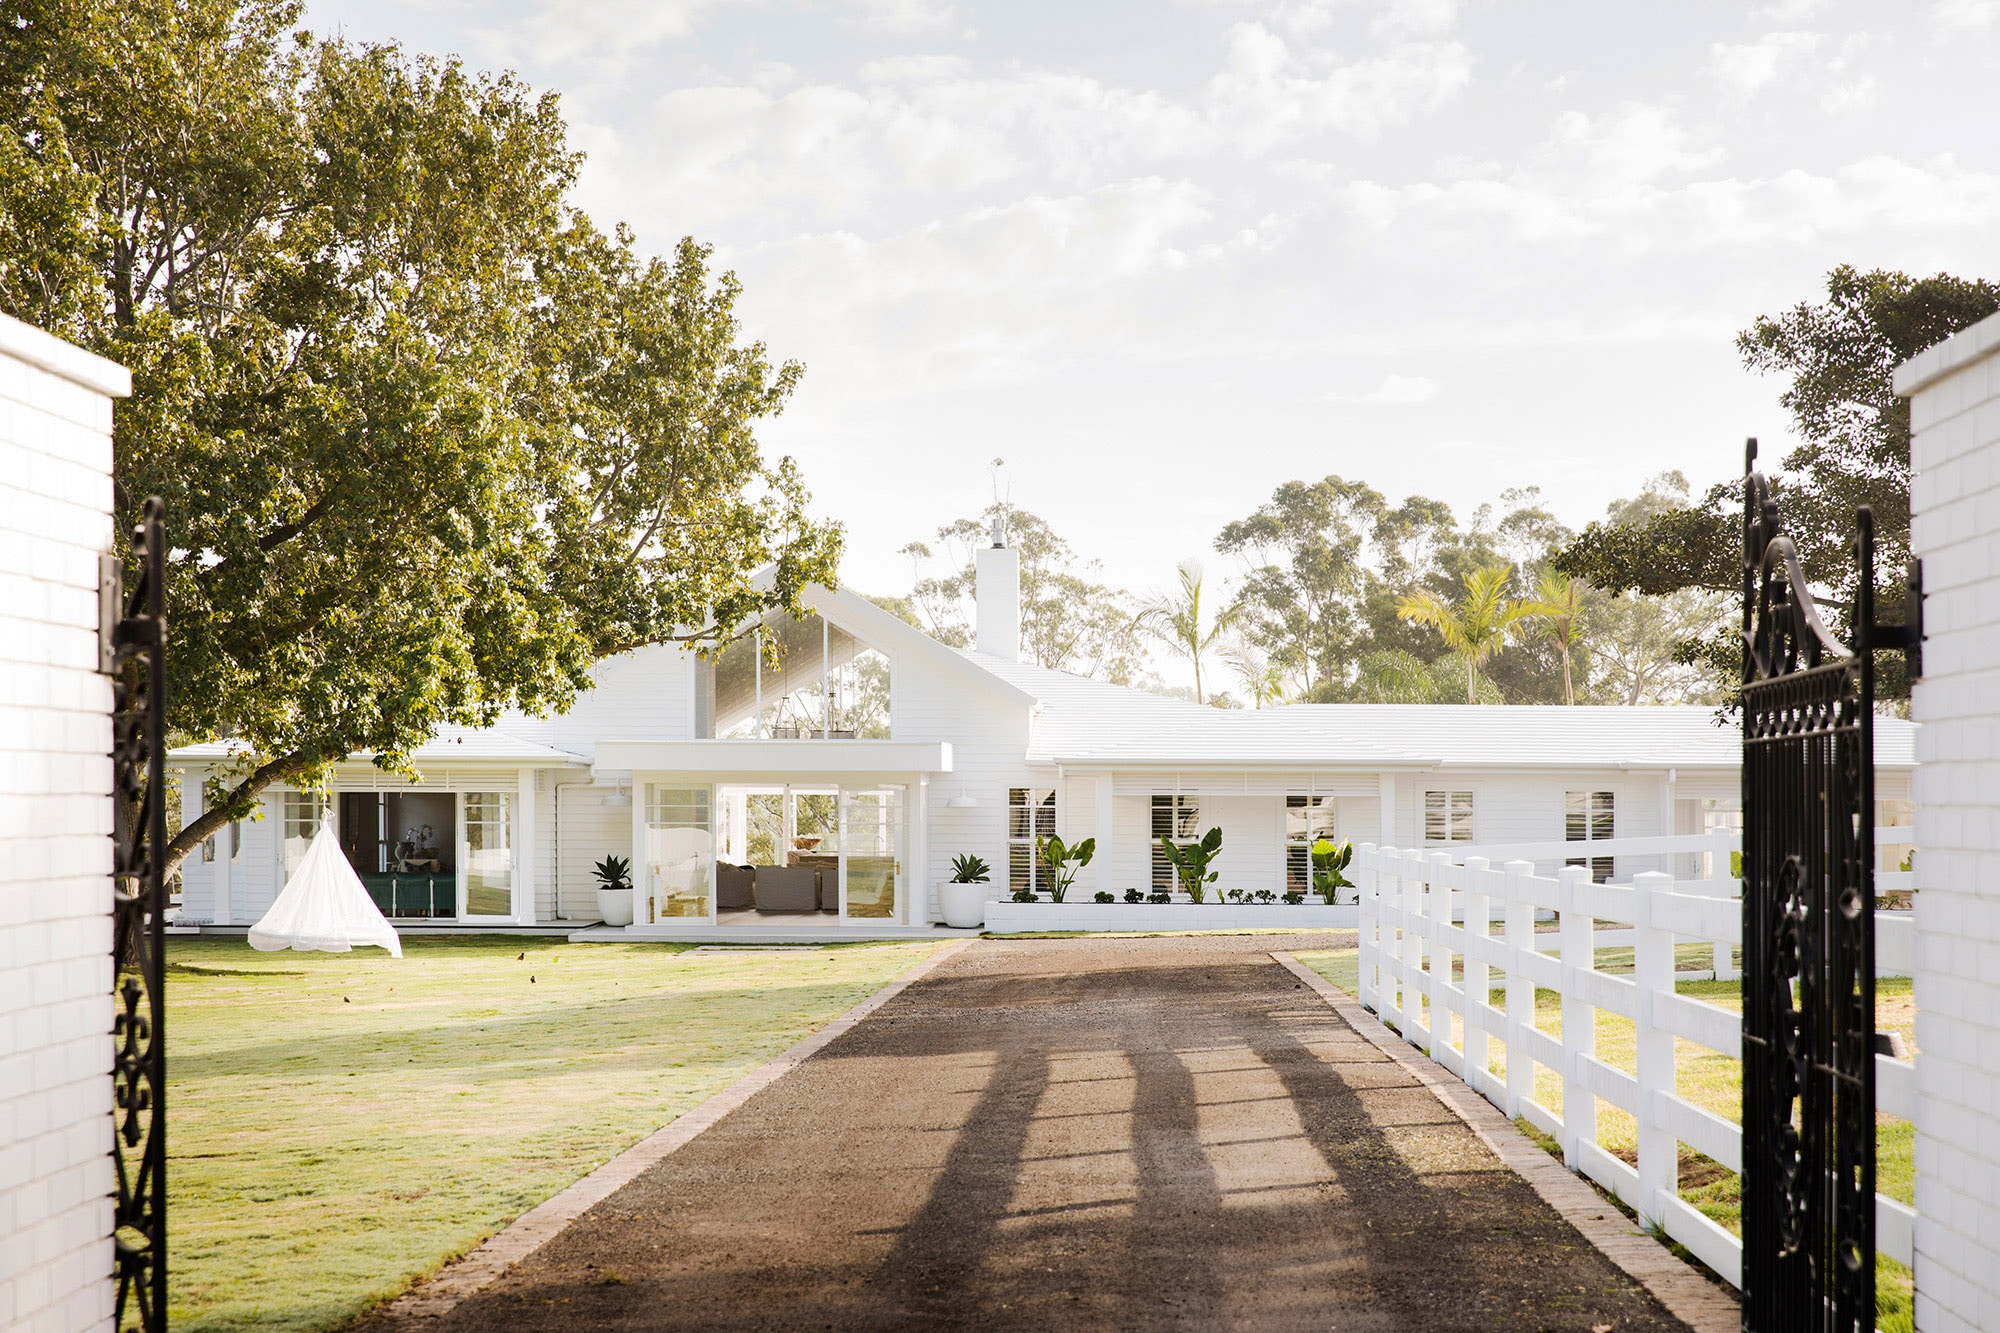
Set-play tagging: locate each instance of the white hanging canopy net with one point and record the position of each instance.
(324, 906)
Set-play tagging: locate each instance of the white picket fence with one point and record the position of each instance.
(1420, 910)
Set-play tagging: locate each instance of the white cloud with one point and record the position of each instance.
(1267, 93)
(1967, 13)
(1744, 69)
(905, 15)
(1394, 391)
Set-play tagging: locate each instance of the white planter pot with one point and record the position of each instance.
(964, 904)
(615, 906)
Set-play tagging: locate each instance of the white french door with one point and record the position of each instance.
(486, 855)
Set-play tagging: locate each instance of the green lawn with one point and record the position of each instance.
(342, 1124)
(1710, 1080)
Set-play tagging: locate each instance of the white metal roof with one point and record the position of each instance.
(450, 745)
(1089, 723)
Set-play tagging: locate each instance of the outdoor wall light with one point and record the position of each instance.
(963, 801)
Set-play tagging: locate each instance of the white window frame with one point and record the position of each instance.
(290, 816)
(1591, 816)
(1321, 821)
(1456, 816)
(1183, 821)
(1037, 815)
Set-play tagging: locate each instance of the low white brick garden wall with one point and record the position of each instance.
(1954, 390)
(55, 835)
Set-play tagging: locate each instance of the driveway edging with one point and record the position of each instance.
(440, 1293)
(1688, 1296)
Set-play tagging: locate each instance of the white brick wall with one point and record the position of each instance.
(1955, 497)
(55, 826)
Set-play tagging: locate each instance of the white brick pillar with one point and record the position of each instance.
(55, 834)
(1954, 392)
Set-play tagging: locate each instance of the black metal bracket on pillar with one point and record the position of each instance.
(138, 938)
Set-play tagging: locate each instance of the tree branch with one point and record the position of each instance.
(235, 805)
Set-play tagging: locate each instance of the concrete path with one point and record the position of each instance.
(1143, 1133)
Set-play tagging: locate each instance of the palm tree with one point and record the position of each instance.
(1175, 619)
(1478, 626)
(1558, 607)
(1263, 683)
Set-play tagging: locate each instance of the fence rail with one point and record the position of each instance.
(1426, 915)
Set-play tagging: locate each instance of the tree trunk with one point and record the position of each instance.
(1569, 690)
(234, 806)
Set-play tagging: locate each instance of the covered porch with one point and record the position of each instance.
(776, 840)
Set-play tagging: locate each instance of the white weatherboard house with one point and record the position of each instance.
(831, 790)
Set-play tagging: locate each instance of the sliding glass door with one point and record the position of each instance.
(680, 851)
(871, 852)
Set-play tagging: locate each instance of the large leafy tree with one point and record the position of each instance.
(430, 442)
(1839, 356)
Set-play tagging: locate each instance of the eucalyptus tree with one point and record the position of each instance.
(1838, 357)
(430, 442)
(1478, 625)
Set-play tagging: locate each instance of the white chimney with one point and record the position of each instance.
(997, 594)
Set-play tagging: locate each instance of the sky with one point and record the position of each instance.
(1161, 257)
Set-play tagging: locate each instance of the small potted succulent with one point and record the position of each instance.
(614, 890)
(963, 896)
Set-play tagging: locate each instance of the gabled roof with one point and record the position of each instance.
(451, 745)
(868, 621)
(1089, 723)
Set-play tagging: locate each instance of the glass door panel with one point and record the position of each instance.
(680, 851)
(489, 854)
(871, 848)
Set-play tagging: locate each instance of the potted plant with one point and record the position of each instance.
(614, 890)
(963, 896)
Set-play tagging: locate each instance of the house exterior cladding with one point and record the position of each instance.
(844, 766)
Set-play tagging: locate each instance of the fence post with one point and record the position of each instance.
(1440, 918)
(1478, 923)
(1579, 1019)
(1416, 945)
(1520, 915)
(1389, 944)
(1368, 921)
(1653, 975)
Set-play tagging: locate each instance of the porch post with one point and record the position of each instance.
(1386, 832)
(1107, 843)
(642, 866)
(917, 893)
(524, 850)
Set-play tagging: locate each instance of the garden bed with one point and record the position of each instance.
(1004, 917)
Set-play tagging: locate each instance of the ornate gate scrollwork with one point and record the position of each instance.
(138, 937)
(1808, 924)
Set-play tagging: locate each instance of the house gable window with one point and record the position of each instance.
(1307, 819)
(1175, 817)
(1031, 813)
(795, 678)
(1590, 816)
(1447, 816)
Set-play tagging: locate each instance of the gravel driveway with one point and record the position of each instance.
(1080, 1133)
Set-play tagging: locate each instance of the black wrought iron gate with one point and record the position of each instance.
(138, 660)
(1808, 919)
